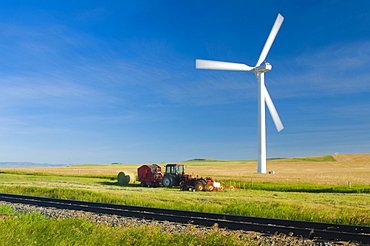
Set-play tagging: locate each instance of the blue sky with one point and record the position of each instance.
(115, 81)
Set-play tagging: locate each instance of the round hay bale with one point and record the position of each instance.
(125, 178)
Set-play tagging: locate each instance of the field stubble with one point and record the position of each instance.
(329, 170)
(335, 207)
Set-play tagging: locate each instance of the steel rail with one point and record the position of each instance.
(306, 229)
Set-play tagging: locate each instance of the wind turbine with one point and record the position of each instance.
(263, 95)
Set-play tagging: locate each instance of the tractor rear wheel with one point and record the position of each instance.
(167, 181)
(200, 185)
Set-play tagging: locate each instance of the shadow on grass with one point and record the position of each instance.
(119, 185)
(135, 185)
(279, 187)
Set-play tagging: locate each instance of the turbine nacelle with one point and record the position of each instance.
(263, 68)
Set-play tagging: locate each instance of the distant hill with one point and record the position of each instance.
(28, 164)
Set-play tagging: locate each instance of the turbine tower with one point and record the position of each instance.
(263, 95)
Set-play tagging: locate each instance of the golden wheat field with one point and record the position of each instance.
(354, 168)
(338, 170)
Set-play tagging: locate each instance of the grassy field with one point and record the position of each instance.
(35, 229)
(312, 188)
(330, 170)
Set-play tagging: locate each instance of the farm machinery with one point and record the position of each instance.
(152, 176)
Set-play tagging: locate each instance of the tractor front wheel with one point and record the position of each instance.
(200, 185)
(167, 181)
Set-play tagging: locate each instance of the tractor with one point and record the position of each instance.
(151, 176)
(174, 175)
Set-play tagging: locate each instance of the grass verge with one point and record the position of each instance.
(35, 229)
(320, 207)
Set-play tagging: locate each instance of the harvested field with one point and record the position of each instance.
(354, 168)
(245, 193)
(333, 170)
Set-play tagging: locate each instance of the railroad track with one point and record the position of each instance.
(306, 229)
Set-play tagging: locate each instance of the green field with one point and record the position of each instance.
(249, 194)
(35, 229)
(332, 189)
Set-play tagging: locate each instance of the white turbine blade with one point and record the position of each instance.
(272, 109)
(218, 65)
(275, 29)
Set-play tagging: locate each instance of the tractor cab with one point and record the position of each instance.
(174, 175)
(175, 169)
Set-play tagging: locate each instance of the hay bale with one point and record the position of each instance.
(125, 178)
